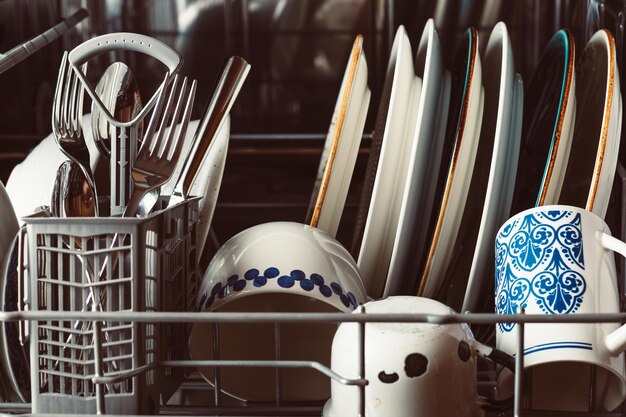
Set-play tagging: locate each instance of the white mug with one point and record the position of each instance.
(412, 369)
(275, 267)
(558, 260)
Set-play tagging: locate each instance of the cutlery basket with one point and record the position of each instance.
(126, 265)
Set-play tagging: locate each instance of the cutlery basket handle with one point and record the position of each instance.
(126, 41)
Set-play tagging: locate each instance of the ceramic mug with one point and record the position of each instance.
(275, 267)
(558, 260)
(413, 369)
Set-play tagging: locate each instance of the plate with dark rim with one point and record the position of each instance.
(461, 142)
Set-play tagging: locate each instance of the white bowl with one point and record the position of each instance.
(275, 267)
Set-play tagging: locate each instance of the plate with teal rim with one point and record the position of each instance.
(459, 152)
(595, 143)
(493, 176)
(424, 159)
(387, 167)
(547, 127)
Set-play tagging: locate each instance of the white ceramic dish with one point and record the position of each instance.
(342, 144)
(503, 166)
(425, 158)
(593, 157)
(275, 267)
(394, 125)
(8, 226)
(463, 132)
(493, 176)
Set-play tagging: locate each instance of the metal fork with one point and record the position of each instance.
(157, 157)
(67, 111)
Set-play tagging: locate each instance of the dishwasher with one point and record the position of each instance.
(117, 343)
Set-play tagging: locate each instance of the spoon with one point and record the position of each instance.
(119, 93)
(72, 195)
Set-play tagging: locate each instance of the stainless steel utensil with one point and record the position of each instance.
(72, 195)
(23, 51)
(129, 131)
(120, 94)
(67, 122)
(233, 76)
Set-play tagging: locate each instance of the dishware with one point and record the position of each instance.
(119, 92)
(72, 195)
(162, 145)
(559, 260)
(459, 152)
(595, 143)
(342, 144)
(8, 226)
(549, 110)
(424, 158)
(197, 152)
(412, 368)
(14, 362)
(275, 267)
(385, 175)
(67, 114)
(492, 181)
(128, 131)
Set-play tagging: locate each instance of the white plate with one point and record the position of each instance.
(394, 122)
(463, 132)
(342, 143)
(593, 157)
(8, 232)
(425, 158)
(503, 166)
(493, 178)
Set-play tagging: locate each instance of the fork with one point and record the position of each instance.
(157, 157)
(67, 110)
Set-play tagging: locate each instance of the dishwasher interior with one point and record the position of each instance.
(278, 126)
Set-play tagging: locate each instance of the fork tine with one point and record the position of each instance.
(58, 96)
(166, 116)
(173, 121)
(78, 113)
(177, 145)
(148, 137)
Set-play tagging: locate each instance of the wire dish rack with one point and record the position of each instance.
(104, 382)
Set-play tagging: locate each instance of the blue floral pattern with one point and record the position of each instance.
(257, 279)
(540, 255)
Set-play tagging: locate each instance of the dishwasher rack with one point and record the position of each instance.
(278, 409)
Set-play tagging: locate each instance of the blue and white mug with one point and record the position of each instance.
(558, 260)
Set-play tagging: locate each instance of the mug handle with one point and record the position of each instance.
(615, 341)
(501, 358)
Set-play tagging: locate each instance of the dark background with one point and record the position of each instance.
(298, 50)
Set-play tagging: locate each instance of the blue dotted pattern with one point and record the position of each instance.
(254, 277)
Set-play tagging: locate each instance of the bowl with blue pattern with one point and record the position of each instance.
(281, 267)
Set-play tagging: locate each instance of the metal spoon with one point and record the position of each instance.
(119, 92)
(72, 195)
